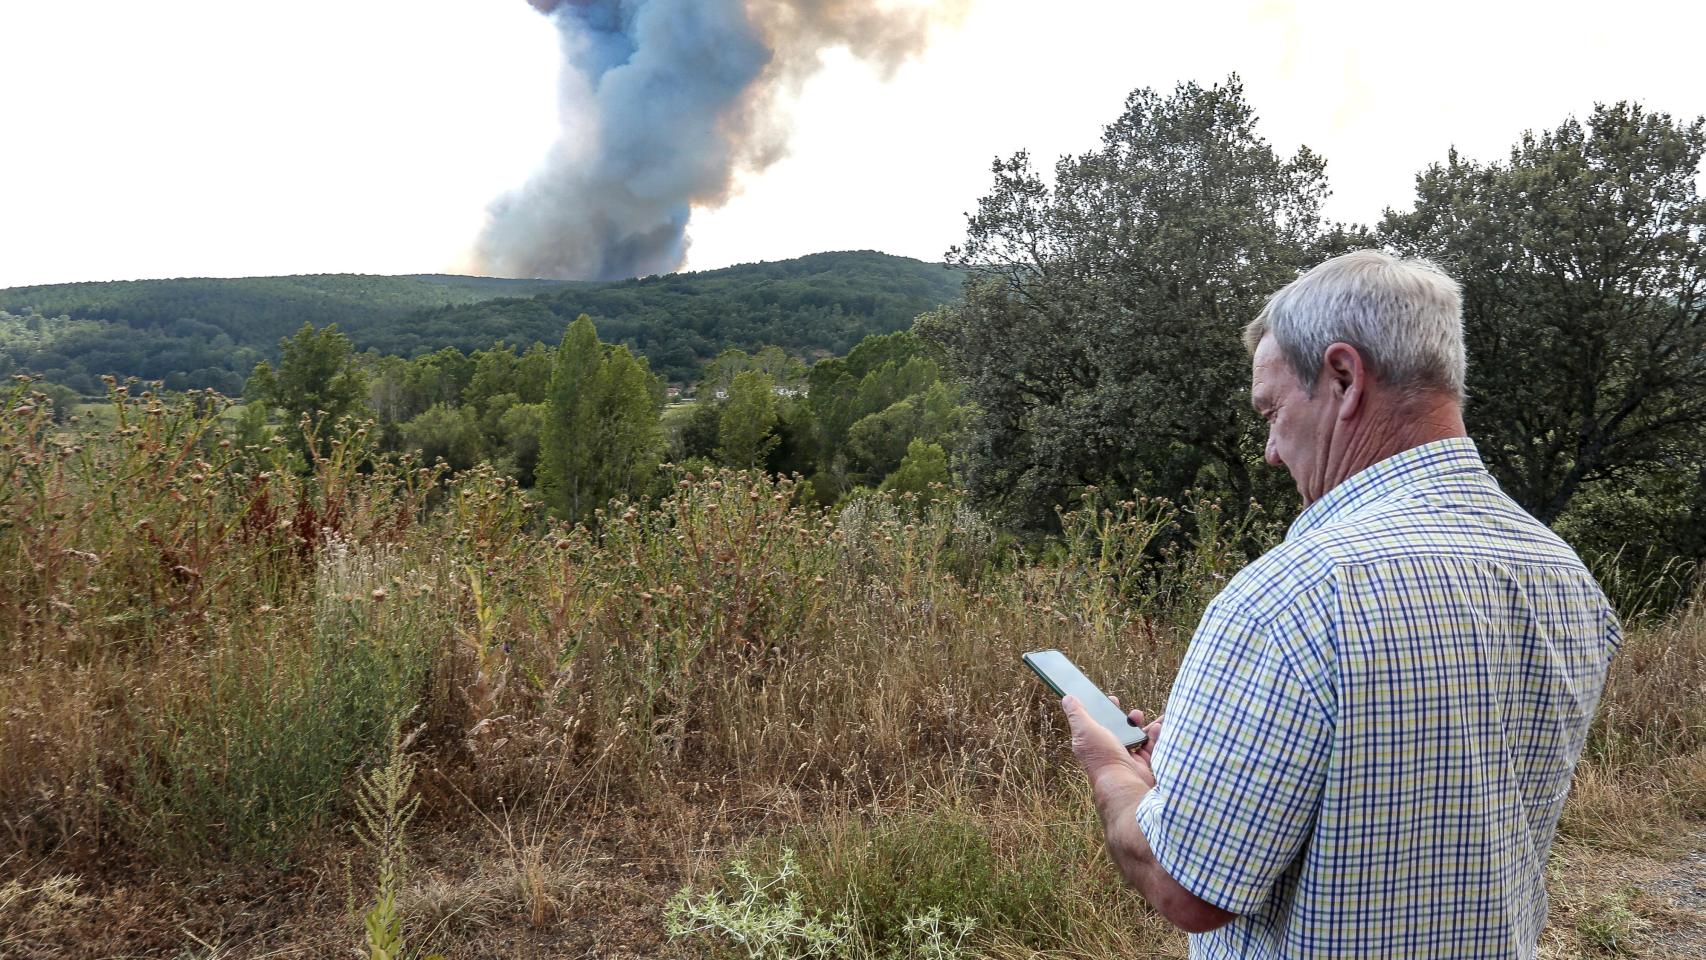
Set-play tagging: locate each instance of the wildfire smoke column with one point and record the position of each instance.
(661, 103)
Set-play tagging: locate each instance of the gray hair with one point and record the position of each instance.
(1405, 317)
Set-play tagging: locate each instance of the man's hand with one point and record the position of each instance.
(1119, 780)
(1151, 729)
(1101, 753)
(1145, 750)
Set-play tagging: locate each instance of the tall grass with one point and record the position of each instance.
(203, 647)
(1643, 773)
(182, 664)
(252, 754)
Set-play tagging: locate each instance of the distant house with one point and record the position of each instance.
(672, 393)
(722, 393)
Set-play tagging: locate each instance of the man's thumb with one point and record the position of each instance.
(1074, 709)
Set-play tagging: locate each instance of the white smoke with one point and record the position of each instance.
(663, 102)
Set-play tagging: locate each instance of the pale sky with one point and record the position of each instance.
(213, 138)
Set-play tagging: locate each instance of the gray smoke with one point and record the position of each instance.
(662, 102)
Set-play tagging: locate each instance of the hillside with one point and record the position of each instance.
(211, 332)
(822, 303)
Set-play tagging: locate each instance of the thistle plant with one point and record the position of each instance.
(765, 919)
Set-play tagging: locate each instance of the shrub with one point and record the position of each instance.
(1029, 874)
(765, 918)
(895, 870)
(253, 758)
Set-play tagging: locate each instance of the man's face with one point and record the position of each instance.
(1300, 427)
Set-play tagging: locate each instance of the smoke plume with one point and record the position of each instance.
(661, 103)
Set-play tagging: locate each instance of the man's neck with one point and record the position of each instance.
(1391, 427)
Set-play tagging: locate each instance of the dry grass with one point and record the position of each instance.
(533, 884)
(1642, 779)
(40, 909)
(605, 715)
(1653, 706)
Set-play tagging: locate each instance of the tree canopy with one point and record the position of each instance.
(1099, 335)
(1584, 292)
(601, 437)
(315, 385)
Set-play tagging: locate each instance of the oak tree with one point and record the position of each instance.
(1584, 293)
(1099, 332)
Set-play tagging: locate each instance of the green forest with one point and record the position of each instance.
(1057, 352)
(209, 333)
(591, 414)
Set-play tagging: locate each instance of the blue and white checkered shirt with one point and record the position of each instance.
(1370, 739)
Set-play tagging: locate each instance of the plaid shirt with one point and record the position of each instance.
(1370, 739)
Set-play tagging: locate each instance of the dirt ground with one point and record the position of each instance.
(484, 892)
(1679, 888)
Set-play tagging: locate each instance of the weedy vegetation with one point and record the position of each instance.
(721, 723)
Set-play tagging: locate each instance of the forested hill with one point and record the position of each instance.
(211, 332)
(818, 304)
(207, 332)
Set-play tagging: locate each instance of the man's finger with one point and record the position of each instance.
(1146, 749)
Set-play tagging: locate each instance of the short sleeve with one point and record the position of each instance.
(1613, 630)
(1239, 766)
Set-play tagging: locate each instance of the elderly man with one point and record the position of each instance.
(1370, 739)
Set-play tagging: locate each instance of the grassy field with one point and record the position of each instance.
(247, 713)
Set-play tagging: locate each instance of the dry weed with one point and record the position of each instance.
(726, 654)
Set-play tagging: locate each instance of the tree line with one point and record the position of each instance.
(1098, 337)
(589, 421)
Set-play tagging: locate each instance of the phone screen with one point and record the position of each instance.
(1064, 677)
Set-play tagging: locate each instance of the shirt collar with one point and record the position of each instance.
(1396, 473)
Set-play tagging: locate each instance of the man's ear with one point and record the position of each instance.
(1342, 371)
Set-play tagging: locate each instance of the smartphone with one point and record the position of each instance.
(1064, 677)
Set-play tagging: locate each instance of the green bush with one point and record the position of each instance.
(888, 874)
(248, 764)
(1642, 536)
(765, 918)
